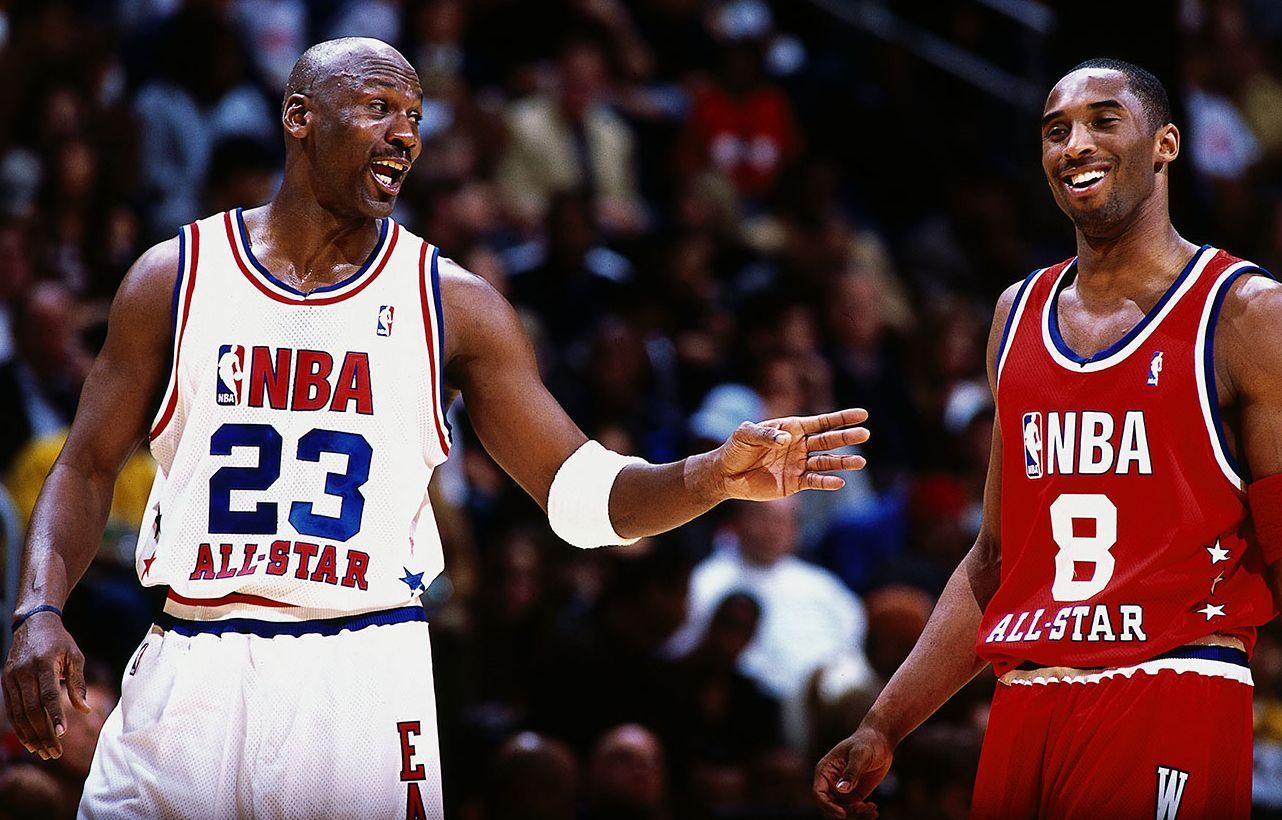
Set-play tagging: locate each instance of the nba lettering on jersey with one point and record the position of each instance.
(384, 326)
(287, 379)
(1086, 443)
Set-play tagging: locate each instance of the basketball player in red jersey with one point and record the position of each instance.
(1118, 578)
(272, 688)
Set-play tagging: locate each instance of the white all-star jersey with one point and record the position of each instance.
(297, 434)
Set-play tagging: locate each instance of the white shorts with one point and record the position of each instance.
(248, 718)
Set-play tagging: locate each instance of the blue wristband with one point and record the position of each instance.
(19, 620)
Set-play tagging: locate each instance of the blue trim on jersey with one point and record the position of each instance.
(1208, 366)
(1014, 308)
(275, 629)
(1223, 654)
(253, 260)
(440, 341)
(1066, 278)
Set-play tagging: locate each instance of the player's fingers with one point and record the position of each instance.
(51, 704)
(848, 780)
(821, 481)
(834, 439)
(33, 714)
(762, 434)
(828, 462)
(18, 714)
(43, 701)
(74, 674)
(828, 421)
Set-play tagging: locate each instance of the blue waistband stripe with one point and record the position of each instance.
(274, 629)
(1223, 654)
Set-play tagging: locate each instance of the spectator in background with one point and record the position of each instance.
(380, 19)
(626, 777)
(723, 721)
(276, 32)
(570, 139)
(534, 777)
(242, 174)
(741, 125)
(607, 677)
(52, 360)
(569, 279)
(204, 93)
(15, 279)
(808, 617)
(869, 369)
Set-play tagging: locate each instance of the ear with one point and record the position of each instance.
(296, 115)
(1166, 146)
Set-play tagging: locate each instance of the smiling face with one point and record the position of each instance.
(357, 126)
(1102, 158)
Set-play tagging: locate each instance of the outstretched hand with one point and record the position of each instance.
(776, 458)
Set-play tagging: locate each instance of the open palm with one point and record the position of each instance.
(779, 457)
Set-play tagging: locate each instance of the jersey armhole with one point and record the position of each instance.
(1204, 365)
(184, 285)
(434, 335)
(1013, 318)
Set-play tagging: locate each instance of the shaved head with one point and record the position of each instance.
(327, 60)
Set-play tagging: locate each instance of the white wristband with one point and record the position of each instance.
(579, 500)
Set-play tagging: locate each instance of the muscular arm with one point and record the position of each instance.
(1248, 366)
(944, 658)
(67, 523)
(490, 361)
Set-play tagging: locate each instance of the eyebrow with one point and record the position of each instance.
(1092, 106)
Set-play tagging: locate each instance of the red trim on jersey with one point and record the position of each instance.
(233, 598)
(171, 401)
(431, 348)
(257, 282)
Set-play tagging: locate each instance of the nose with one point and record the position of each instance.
(1080, 143)
(403, 133)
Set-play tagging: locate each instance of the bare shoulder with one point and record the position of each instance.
(1001, 313)
(480, 325)
(1247, 352)
(149, 284)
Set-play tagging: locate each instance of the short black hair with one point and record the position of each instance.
(1148, 88)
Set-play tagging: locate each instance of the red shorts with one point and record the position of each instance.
(1170, 740)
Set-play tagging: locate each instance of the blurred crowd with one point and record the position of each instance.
(705, 211)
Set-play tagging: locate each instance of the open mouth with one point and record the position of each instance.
(1084, 180)
(389, 173)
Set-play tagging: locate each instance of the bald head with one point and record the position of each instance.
(333, 60)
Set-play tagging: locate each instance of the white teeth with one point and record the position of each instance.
(1086, 177)
(384, 178)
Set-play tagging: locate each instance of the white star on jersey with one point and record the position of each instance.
(1211, 610)
(1218, 553)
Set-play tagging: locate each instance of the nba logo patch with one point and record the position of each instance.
(1032, 426)
(384, 327)
(231, 373)
(1155, 369)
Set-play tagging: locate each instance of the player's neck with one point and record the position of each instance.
(1144, 258)
(306, 244)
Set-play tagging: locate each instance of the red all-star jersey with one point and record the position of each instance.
(1124, 525)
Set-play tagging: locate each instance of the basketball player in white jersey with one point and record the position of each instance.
(291, 365)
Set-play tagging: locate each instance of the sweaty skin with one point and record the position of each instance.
(1128, 254)
(351, 118)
